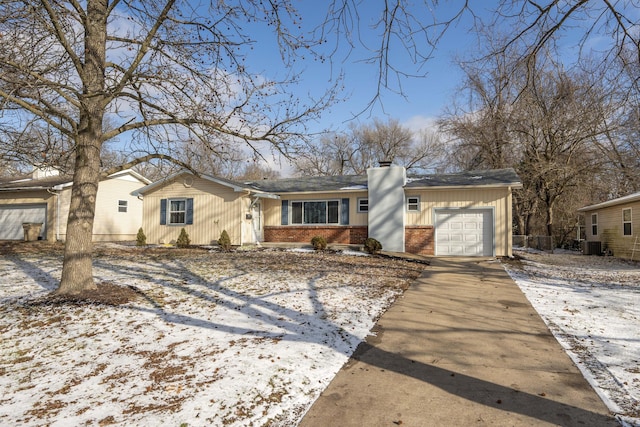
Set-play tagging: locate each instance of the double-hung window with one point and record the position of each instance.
(315, 212)
(177, 211)
(122, 205)
(594, 224)
(413, 204)
(363, 205)
(626, 222)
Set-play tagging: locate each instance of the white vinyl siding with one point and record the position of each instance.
(497, 199)
(613, 223)
(215, 208)
(111, 224)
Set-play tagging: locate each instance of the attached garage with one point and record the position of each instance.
(464, 232)
(13, 216)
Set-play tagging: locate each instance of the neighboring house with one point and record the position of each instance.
(43, 197)
(447, 214)
(613, 227)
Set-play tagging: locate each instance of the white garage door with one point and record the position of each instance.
(464, 232)
(12, 217)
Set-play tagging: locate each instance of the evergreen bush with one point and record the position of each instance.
(372, 246)
(141, 239)
(183, 239)
(225, 241)
(319, 243)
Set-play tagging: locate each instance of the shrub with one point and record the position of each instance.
(225, 241)
(183, 239)
(319, 243)
(372, 246)
(141, 239)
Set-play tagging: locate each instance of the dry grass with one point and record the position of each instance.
(151, 341)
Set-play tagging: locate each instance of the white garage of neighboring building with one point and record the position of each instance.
(13, 216)
(43, 197)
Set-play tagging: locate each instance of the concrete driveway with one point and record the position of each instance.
(462, 347)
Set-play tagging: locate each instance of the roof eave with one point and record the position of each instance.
(307, 192)
(513, 186)
(129, 172)
(609, 203)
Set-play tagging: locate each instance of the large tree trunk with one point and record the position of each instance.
(549, 220)
(77, 272)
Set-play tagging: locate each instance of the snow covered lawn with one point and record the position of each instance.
(592, 306)
(183, 337)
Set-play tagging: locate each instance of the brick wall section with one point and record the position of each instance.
(419, 239)
(353, 235)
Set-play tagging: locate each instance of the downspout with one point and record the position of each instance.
(57, 215)
(509, 236)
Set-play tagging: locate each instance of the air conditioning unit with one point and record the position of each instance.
(592, 248)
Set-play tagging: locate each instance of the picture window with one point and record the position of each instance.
(315, 212)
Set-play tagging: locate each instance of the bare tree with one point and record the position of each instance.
(537, 25)
(620, 141)
(175, 70)
(365, 146)
(158, 71)
(543, 121)
(329, 155)
(36, 145)
(255, 171)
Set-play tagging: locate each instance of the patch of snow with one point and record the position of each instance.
(301, 250)
(354, 253)
(592, 306)
(212, 342)
(355, 187)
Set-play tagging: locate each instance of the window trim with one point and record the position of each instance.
(363, 202)
(302, 215)
(413, 206)
(171, 211)
(594, 224)
(123, 206)
(630, 222)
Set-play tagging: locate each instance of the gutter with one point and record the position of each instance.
(512, 185)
